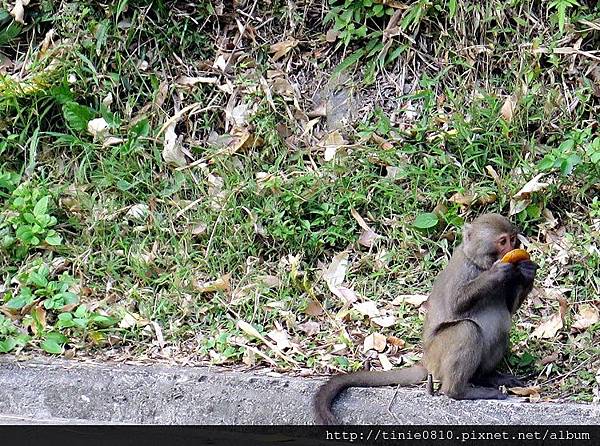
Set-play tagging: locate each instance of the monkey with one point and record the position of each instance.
(466, 328)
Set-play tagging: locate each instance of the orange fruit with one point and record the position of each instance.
(515, 256)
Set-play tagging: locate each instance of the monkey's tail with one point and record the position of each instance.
(328, 391)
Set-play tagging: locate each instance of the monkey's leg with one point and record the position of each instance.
(460, 361)
(497, 379)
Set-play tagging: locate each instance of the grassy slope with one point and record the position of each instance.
(141, 239)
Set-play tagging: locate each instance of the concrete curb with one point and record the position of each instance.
(56, 391)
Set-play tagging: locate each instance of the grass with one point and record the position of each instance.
(165, 261)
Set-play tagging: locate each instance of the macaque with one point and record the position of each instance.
(466, 328)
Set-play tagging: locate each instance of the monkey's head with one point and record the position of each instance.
(488, 238)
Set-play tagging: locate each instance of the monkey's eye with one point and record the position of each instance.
(502, 241)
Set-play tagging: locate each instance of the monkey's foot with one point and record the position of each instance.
(497, 379)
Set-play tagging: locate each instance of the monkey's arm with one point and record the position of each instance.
(489, 282)
(526, 273)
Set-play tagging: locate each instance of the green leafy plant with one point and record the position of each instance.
(10, 336)
(82, 319)
(27, 222)
(579, 148)
(561, 7)
(54, 294)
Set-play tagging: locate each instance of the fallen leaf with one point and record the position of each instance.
(281, 338)
(339, 349)
(97, 127)
(508, 108)
(347, 295)
(249, 329)
(396, 342)
(412, 299)
(310, 327)
(549, 327)
(375, 341)
(336, 272)
(367, 308)
(533, 185)
(586, 317)
(331, 35)
(313, 308)
(368, 236)
(172, 153)
(221, 284)
(525, 391)
(385, 362)
(128, 321)
(269, 281)
(384, 321)
(494, 175)
(280, 49)
(462, 199)
(188, 81)
(18, 11)
(331, 143)
(138, 211)
(549, 359)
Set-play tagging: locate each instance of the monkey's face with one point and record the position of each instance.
(489, 238)
(506, 242)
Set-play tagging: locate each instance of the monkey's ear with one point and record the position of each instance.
(467, 231)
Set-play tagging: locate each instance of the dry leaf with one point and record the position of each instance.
(18, 11)
(462, 199)
(336, 272)
(384, 321)
(249, 329)
(522, 199)
(138, 211)
(367, 308)
(331, 143)
(282, 48)
(281, 338)
(269, 281)
(586, 317)
(172, 153)
(396, 342)
(412, 299)
(331, 35)
(385, 362)
(221, 284)
(310, 327)
(549, 327)
(508, 108)
(368, 236)
(533, 185)
(313, 308)
(188, 81)
(525, 391)
(97, 127)
(549, 359)
(347, 295)
(375, 341)
(494, 175)
(40, 316)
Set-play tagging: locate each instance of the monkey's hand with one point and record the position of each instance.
(502, 273)
(527, 270)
